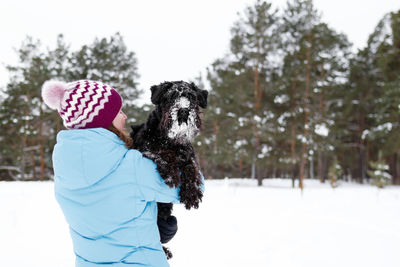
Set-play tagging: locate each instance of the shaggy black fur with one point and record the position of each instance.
(166, 139)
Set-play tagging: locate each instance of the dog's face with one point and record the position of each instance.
(179, 104)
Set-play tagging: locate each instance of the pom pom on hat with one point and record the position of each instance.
(53, 93)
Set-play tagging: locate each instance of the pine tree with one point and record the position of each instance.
(29, 127)
(298, 23)
(313, 67)
(21, 114)
(221, 120)
(369, 115)
(335, 172)
(379, 172)
(386, 41)
(240, 83)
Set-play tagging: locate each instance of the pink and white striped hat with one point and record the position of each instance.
(83, 104)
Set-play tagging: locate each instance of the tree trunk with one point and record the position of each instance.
(33, 165)
(259, 177)
(324, 167)
(320, 150)
(257, 105)
(253, 168)
(23, 157)
(293, 135)
(216, 130)
(293, 176)
(42, 163)
(306, 111)
(273, 172)
(396, 178)
(361, 146)
(361, 164)
(320, 167)
(278, 173)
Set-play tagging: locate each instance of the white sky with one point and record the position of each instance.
(173, 40)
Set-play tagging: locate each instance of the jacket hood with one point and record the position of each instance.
(85, 156)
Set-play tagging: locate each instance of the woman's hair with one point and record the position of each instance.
(123, 135)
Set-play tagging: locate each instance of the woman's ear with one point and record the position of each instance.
(158, 90)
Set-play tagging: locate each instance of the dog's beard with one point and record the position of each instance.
(182, 132)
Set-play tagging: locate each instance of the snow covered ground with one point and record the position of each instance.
(237, 225)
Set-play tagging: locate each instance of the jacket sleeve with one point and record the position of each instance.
(150, 183)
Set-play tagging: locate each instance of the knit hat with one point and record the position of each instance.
(83, 104)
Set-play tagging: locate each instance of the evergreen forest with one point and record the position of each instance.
(290, 99)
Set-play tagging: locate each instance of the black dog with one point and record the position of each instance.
(166, 139)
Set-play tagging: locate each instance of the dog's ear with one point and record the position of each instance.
(136, 129)
(202, 96)
(158, 90)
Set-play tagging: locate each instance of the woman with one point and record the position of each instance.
(107, 192)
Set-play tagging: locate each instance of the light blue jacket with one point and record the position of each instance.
(108, 194)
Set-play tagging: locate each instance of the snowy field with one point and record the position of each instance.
(237, 225)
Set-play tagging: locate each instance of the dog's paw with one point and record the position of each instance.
(167, 252)
(190, 196)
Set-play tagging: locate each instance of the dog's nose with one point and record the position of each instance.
(183, 115)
